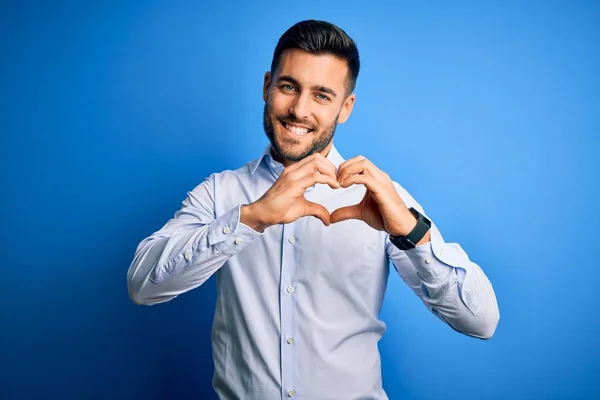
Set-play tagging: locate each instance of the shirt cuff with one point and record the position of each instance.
(435, 259)
(228, 234)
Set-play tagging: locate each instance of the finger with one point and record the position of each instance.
(318, 166)
(346, 213)
(322, 165)
(316, 177)
(372, 185)
(317, 210)
(359, 167)
(311, 161)
(317, 163)
(351, 161)
(301, 163)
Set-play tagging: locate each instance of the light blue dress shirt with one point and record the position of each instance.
(298, 304)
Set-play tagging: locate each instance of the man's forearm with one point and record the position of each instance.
(456, 289)
(183, 255)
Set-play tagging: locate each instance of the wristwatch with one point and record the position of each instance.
(410, 241)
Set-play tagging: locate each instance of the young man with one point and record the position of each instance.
(300, 242)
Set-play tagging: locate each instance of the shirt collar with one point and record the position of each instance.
(334, 156)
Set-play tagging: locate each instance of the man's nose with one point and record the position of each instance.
(301, 106)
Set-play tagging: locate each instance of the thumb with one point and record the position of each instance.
(344, 213)
(317, 210)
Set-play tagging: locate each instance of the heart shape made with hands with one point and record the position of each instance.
(381, 207)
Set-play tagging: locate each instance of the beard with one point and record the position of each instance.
(288, 148)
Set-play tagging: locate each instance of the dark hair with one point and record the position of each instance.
(320, 37)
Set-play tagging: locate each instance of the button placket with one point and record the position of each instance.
(288, 308)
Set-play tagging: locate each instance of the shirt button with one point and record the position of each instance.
(226, 230)
(238, 241)
(428, 260)
(290, 289)
(291, 393)
(188, 255)
(290, 340)
(291, 239)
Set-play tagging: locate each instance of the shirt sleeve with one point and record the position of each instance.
(451, 286)
(188, 249)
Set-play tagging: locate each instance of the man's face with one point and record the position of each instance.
(304, 101)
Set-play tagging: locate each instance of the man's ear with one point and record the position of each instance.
(347, 108)
(266, 85)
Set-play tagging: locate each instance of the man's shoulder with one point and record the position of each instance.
(241, 173)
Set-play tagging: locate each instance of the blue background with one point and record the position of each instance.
(487, 113)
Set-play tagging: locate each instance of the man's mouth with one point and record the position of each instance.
(295, 129)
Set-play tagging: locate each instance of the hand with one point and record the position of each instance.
(284, 202)
(381, 207)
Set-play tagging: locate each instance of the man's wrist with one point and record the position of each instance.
(408, 224)
(250, 218)
(414, 222)
(412, 227)
(426, 238)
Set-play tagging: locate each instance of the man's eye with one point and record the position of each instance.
(321, 96)
(288, 88)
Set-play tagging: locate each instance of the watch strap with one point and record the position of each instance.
(419, 231)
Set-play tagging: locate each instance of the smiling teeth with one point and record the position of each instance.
(296, 130)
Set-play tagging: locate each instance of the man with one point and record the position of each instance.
(300, 242)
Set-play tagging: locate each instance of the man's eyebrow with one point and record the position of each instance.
(325, 89)
(319, 88)
(288, 78)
